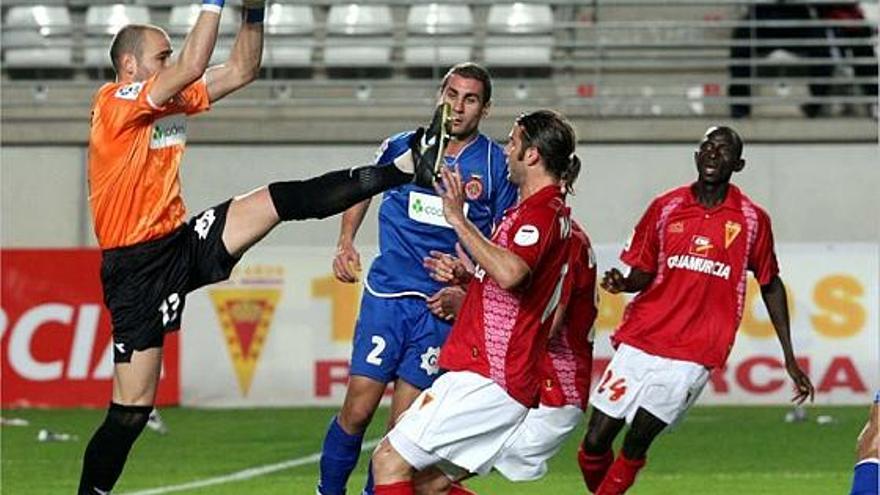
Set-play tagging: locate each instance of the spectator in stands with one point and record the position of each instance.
(861, 47)
(803, 43)
(741, 66)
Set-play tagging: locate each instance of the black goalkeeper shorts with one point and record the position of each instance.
(145, 285)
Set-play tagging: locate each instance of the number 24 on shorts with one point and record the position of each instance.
(616, 387)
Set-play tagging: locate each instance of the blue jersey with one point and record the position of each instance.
(411, 221)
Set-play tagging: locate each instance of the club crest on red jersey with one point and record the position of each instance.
(701, 245)
(731, 230)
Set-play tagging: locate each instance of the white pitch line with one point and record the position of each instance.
(801, 475)
(313, 458)
(244, 474)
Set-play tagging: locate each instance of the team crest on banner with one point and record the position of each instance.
(245, 306)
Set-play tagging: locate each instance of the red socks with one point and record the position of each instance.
(594, 467)
(399, 488)
(621, 476)
(458, 489)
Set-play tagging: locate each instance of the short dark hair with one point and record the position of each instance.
(731, 134)
(555, 139)
(470, 70)
(129, 39)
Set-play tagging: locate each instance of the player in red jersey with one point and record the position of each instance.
(493, 352)
(565, 371)
(688, 257)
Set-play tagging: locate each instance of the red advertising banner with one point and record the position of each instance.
(56, 345)
(280, 332)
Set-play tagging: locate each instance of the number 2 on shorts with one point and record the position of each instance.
(378, 346)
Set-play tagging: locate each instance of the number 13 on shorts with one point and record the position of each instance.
(616, 387)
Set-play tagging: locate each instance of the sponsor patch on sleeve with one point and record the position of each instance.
(130, 91)
(527, 235)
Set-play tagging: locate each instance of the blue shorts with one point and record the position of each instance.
(397, 338)
(865, 480)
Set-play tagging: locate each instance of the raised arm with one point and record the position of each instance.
(194, 56)
(776, 301)
(505, 267)
(244, 61)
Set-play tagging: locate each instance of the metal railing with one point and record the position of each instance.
(606, 58)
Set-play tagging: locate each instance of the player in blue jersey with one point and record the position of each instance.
(396, 338)
(865, 478)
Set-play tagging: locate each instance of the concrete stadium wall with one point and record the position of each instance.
(814, 193)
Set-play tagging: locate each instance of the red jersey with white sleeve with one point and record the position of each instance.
(568, 363)
(502, 334)
(700, 258)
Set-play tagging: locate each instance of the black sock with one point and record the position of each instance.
(106, 453)
(333, 192)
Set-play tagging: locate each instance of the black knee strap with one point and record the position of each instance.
(128, 419)
(333, 192)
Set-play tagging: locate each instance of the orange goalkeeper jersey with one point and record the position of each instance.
(135, 149)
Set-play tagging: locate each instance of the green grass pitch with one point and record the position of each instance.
(716, 451)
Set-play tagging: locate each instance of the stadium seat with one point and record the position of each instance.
(183, 17)
(289, 32)
(519, 34)
(35, 3)
(358, 36)
(164, 3)
(102, 23)
(871, 11)
(37, 37)
(438, 34)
